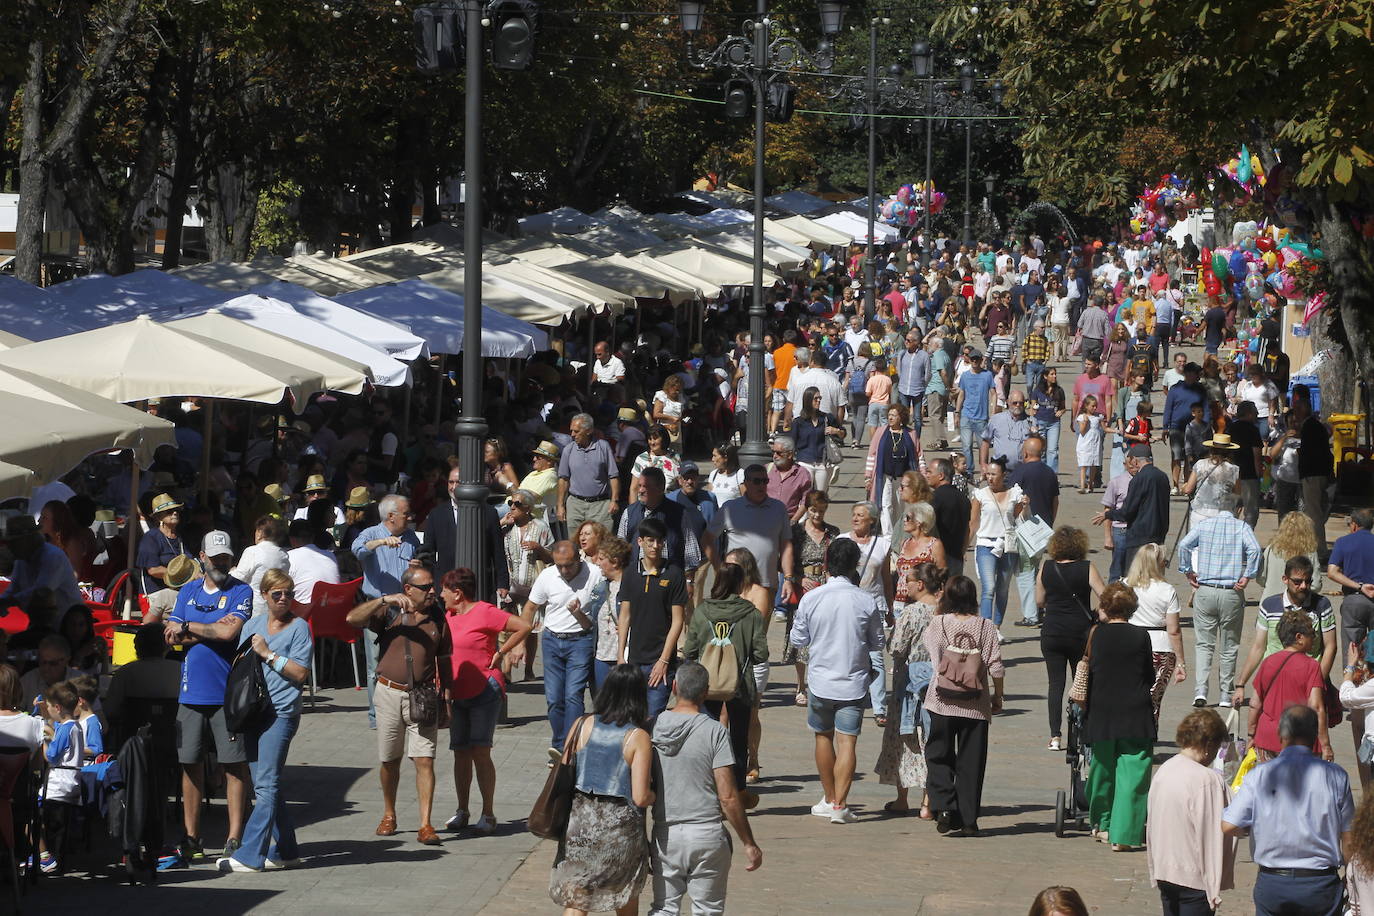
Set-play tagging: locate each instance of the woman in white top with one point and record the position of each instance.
(993, 515)
(265, 553)
(1214, 481)
(1157, 611)
(17, 727)
(726, 474)
(875, 577)
(668, 406)
(1059, 323)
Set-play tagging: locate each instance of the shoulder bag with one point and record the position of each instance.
(1078, 692)
(549, 816)
(246, 700)
(423, 698)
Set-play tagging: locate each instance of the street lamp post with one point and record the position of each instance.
(922, 59)
(966, 87)
(760, 54)
(871, 87)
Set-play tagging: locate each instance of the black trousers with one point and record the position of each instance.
(956, 759)
(1184, 901)
(738, 727)
(1061, 653)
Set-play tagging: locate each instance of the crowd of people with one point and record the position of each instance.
(627, 571)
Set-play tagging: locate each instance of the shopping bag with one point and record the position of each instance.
(1032, 536)
(1247, 763)
(1228, 759)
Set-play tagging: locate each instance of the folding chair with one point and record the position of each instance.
(329, 606)
(18, 805)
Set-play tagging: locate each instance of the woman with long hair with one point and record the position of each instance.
(668, 407)
(809, 430)
(481, 635)
(726, 474)
(1293, 538)
(810, 538)
(1114, 352)
(1120, 726)
(282, 640)
(994, 510)
(957, 746)
(1058, 901)
(1049, 403)
(912, 490)
(1157, 612)
(901, 760)
(754, 591)
(1064, 590)
(497, 471)
(603, 857)
(892, 452)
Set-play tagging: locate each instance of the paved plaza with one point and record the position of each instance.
(882, 864)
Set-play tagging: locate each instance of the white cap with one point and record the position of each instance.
(217, 544)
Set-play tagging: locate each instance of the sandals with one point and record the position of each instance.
(880, 721)
(801, 698)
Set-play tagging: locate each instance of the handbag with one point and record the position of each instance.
(246, 700)
(1078, 691)
(1077, 346)
(1033, 536)
(549, 817)
(833, 453)
(1227, 760)
(423, 698)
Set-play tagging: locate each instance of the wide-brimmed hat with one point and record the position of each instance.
(358, 498)
(627, 415)
(164, 502)
(315, 483)
(547, 449)
(1222, 441)
(275, 491)
(180, 570)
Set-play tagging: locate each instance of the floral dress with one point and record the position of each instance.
(902, 760)
(906, 564)
(811, 556)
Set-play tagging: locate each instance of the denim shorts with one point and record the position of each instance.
(843, 716)
(472, 722)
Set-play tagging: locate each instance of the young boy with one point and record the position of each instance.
(1196, 433)
(92, 734)
(1139, 427)
(62, 793)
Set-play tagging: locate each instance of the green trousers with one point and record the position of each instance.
(1119, 788)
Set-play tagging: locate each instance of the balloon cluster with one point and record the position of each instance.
(1170, 199)
(904, 208)
(1257, 256)
(1245, 170)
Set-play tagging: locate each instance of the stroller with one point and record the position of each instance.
(1071, 804)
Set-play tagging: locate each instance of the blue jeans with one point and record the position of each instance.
(915, 402)
(567, 669)
(1051, 433)
(1160, 339)
(1319, 896)
(994, 581)
(1026, 569)
(270, 832)
(1118, 568)
(1034, 369)
(658, 696)
(971, 434)
(600, 670)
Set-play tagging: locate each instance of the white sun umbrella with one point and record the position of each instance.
(358, 276)
(602, 298)
(393, 337)
(437, 316)
(523, 301)
(16, 482)
(26, 310)
(141, 359)
(821, 235)
(9, 341)
(719, 268)
(235, 324)
(98, 300)
(705, 286)
(635, 277)
(282, 319)
(227, 276)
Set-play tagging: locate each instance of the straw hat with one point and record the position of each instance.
(627, 415)
(275, 491)
(547, 450)
(315, 483)
(358, 498)
(164, 502)
(1221, 441)
(180, 570)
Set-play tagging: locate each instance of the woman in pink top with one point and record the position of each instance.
(475, 688)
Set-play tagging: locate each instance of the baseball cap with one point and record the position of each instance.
(975, 354)
(217, 544)
(687, 467)
(1141, 450)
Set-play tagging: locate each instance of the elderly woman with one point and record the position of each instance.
(919, 545)
(913, 489)
(527, 541)
(1064, 590)
(892, 452)
(901, 761)
(1289, 677)
(875, 577)
(1120, 725)
(282, 640)
(1190, 860)
(957, 745)
(1213, 481)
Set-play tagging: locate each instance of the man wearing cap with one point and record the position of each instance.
(315, 491)
(629, 435)
(974, 401)
(588, 477)
(159, 544)
(1146, 508)
(42, 582)
(690, 494)
(543, 481)
(206, 620)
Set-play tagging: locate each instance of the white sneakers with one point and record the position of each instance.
(458, 821)
(280, 864)
(822, 808)
(843, 815)
(229, 864)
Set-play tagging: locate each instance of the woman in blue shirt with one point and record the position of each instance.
(282, 640)
(809, 430)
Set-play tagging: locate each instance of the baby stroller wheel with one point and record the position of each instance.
(1060, 812)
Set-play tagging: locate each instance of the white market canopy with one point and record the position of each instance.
(229, 276)
(395, 339)
(705, 287)
(9, 341)
(602, 298)
(781, 256)
(720, 268)
(796, 202)
(16, 482)
(234, 324)
(635, 277)
(27, 313)
(398, 262)
(816, 233)
(857, 227)
(141, 359)
(98, 300)
(521, 301)
(437, 316)
(326, 284)
(564, 219)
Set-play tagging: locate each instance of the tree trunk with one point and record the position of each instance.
(401, 200)
(186, 152)
(1346, 325)
(33, 174)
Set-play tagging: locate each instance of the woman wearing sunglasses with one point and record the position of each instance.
(282, 640)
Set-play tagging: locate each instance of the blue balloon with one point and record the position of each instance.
(1237, 264)
(1274, 279)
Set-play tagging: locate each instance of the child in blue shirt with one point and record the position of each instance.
(62, 792)
(92, 733)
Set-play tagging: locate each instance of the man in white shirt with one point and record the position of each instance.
(309, 562)
(1258, 390)
(570, 592)
(607, 369)
(842, 624)
(856, 334)
(805, 376)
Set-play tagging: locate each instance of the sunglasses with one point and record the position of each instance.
(1299, 581)
(422, 586)
(516, 504)
(278, 594)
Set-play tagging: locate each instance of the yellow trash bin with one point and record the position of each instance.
(1345, 429)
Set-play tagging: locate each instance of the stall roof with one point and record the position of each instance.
(325, 284)
(223, 275)
(857, 227)
(785, 256)
(389, 336)
(406, 259)
(619, 235)
(634, 277)
(26, 311)
(818, 233)
(705, 287)
(356, 275)
(98, 300)
(601, 297)
(719, 268)
(564, 219)
(451, 236)
(796, 202)
(522, 301)
(437, 316)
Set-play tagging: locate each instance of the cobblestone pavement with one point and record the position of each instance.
(880, 864)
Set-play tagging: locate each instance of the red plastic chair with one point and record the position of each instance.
(106, 610)
(329, 606)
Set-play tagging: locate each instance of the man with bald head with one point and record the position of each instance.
(570, 592)
(1041, 486)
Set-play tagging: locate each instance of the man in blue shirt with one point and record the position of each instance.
(1178, 411)
(385, 551)
(1352, 568)
(1298, 811)
(913, 373)
(1227, 559)
(207, 619)
(975, 391)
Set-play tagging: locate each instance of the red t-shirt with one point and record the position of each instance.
(1284, 679)
(474, 642)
